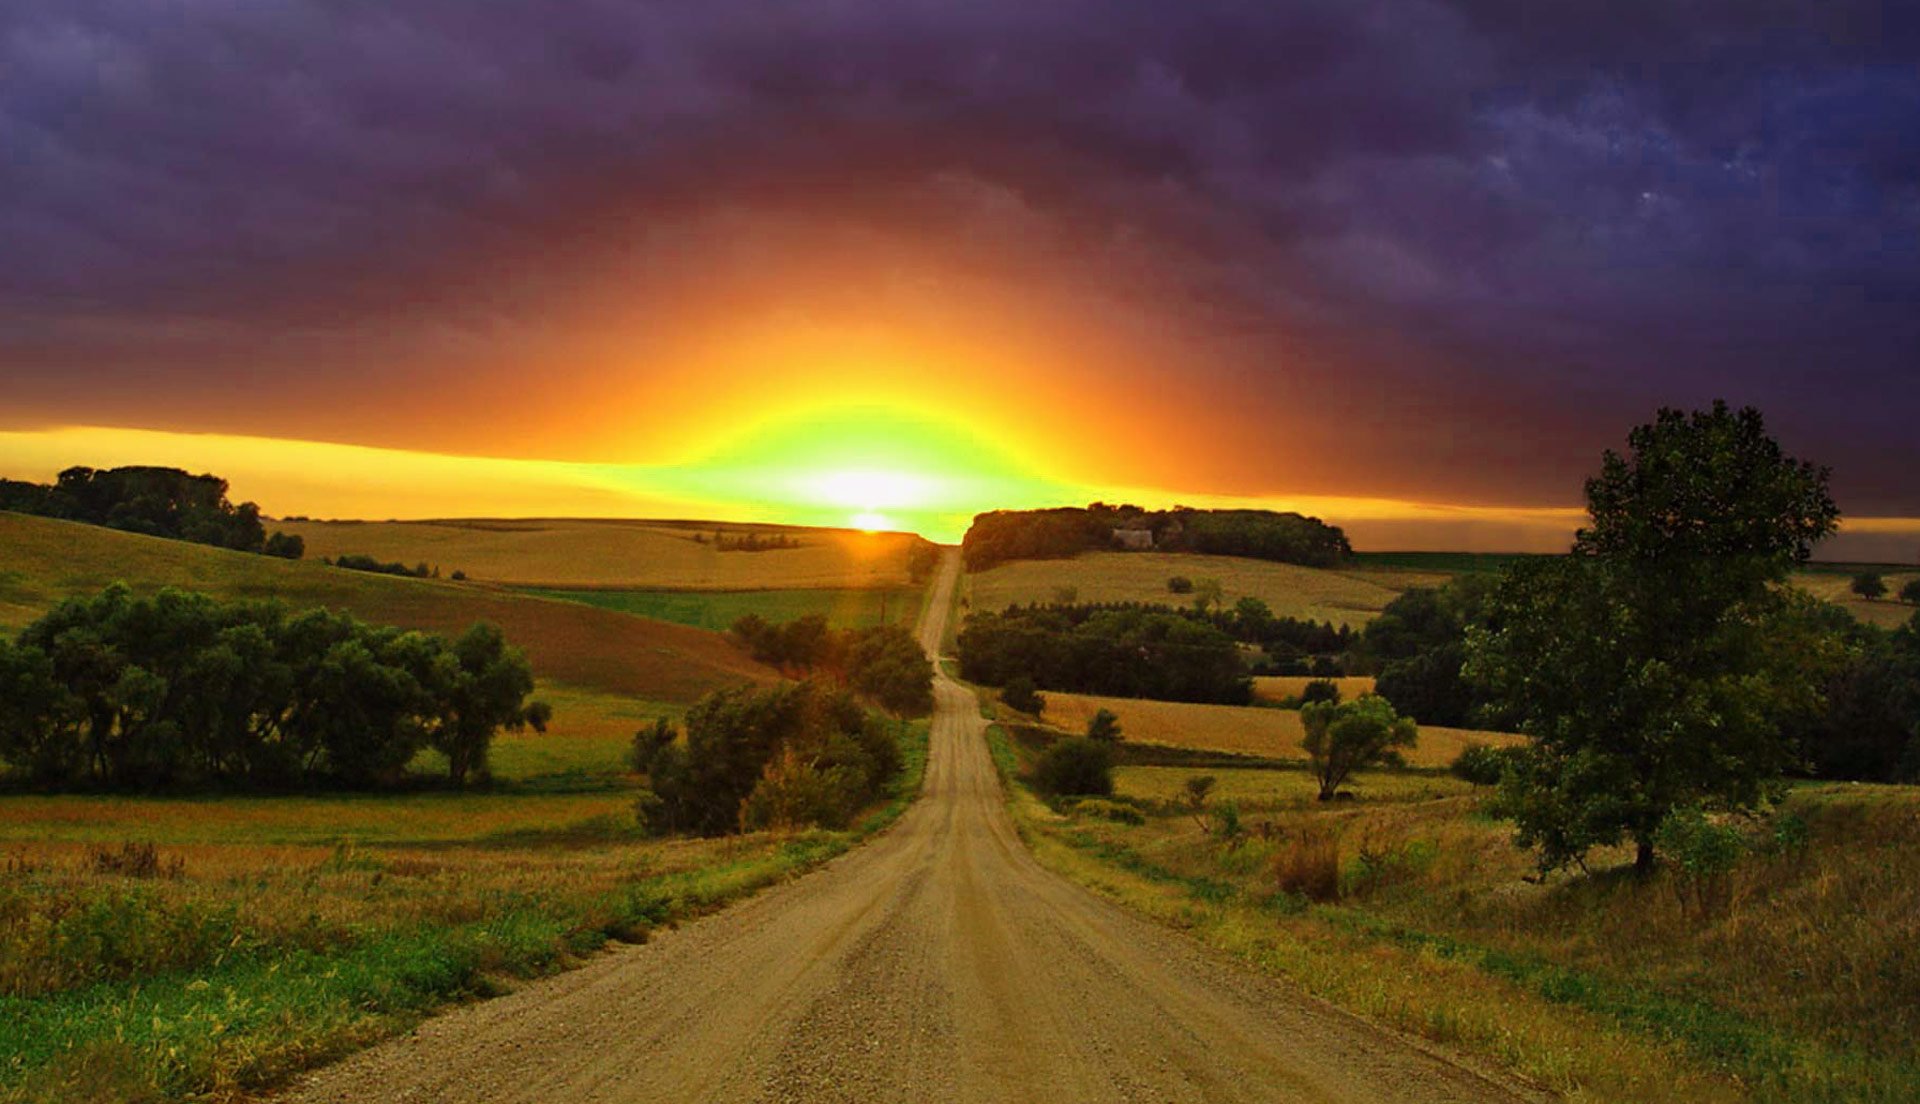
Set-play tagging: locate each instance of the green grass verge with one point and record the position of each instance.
(261, 1014)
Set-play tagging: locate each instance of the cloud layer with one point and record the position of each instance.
(1428, 249)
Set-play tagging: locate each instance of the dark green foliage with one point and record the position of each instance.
(883, 662)
(1020, 694)
(1078, 767)
(922, 559)
(1482, 764)
(1343, 737)
(1125, 651)
(159, 502)
(287, 546)
(182, 689)
(1654, 667)
(1104, 726)
(1910, 593)
(1004, 535)
(1869, 585)
(1418, 646)
(800, 753)
(1179, 584)
(478, 687)
(1320, 690)
(354, 561)
(1869, 725)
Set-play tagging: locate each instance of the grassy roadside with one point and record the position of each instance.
(1423, 940)
(252, 959)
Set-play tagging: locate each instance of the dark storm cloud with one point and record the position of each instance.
(1547, 216)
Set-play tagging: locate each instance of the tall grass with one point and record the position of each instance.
(1796, 982)
(255, 960)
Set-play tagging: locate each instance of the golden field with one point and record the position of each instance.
(1887, 612)
(1273, 688)
(1240, 729)
(618, 554)
(1345, 596)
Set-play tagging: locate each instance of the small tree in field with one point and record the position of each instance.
(1910, 593)
(1868, 585)
(1104, 726)
(1345, 737)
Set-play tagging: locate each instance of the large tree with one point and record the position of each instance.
(1654, 665)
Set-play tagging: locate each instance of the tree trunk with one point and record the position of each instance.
(1643, 858)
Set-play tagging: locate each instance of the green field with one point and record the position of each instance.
(719, 609)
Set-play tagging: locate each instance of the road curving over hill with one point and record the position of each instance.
(940, 962)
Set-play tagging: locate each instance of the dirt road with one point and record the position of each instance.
(939, 962)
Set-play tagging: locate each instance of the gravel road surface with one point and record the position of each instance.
(938, 962)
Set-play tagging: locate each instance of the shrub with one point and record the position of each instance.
(1179, 584)
(1104, 726)
(1074, 768)
(1101, 808)
(287, 546)
(776, 757)
(1910, 593)
(1481, 764)
(133, 860)
(1704, 853)
(1022, 696)
(1309, 866)
(1869, 585)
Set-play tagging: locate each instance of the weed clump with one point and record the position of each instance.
(1308, 865)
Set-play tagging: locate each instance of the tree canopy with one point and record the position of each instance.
(158, 502)
(1654, 666)
(182, 689)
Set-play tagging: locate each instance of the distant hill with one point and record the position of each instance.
(559, 552)
(44, 560)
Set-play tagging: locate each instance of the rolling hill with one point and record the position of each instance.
(619, 554)
(43, 561)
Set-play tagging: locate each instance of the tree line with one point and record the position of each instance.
(1124, 651)
(795, 755)
(158, 502)
(1001, 536)
(181, 689)
(884, 663)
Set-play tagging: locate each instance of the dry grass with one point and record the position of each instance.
(43, 561)
(1242, 729)
(1349, 596)
(1282, 687)
(1800, 985)
(620, 554)
(1887, 612)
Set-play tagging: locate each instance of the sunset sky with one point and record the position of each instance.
(1408, 265)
